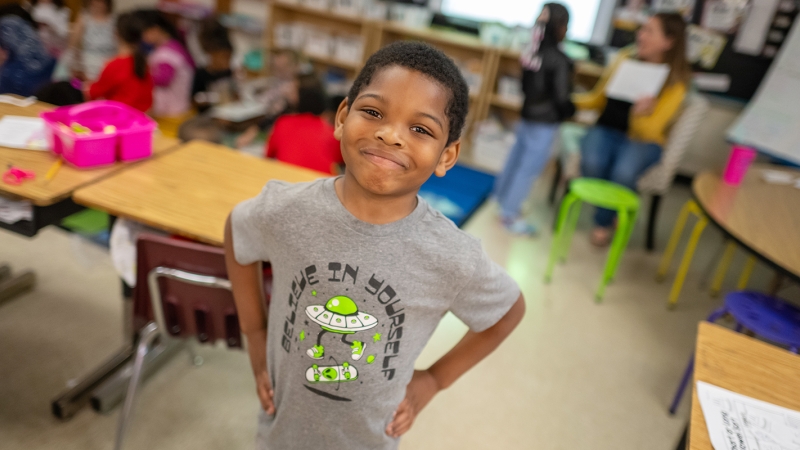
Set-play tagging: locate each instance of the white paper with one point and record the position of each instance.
(778, 177)
(12, 211)
(712, 82)
(23, 102)
(738, 422)
(721, 15)
(238, 112)
(23, 132)
(751, 37)
(704, 46)
(636, 79)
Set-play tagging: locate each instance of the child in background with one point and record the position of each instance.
(368, 268)
(53, 20)
(126, 78)
(215, 83)
(305, 138)
(172, 69)
(91, 43)
(25, 65)
(547, 84)
(277, 98)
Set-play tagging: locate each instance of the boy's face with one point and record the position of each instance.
(394, 135)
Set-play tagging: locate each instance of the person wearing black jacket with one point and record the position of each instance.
(547, 85)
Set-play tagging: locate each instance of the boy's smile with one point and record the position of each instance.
(394, 135)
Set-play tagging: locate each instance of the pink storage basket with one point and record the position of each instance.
(131, 139)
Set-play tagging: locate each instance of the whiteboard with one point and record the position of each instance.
(771, 121)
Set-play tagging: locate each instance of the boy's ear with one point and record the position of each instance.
(338, 121)
(448, 158)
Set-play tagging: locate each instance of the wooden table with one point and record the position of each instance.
(189, 191)
(51, 200)
(762, 217)
(743, 365)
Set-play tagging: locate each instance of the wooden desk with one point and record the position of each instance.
(744, 365)
(189, 191)
(39, 191)
(762, 217)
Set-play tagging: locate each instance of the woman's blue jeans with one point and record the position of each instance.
(526, 161)
(611, 155)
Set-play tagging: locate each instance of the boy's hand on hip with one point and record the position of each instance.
(419, 392)
(265, 392)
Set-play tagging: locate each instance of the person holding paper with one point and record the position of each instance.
(628, 137)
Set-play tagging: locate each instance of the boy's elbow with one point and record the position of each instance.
(514, 315)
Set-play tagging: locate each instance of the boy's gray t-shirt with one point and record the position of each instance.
(340, 281)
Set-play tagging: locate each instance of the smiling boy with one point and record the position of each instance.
(364, 269)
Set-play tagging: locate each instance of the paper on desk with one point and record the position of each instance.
(12, 211)
(23, 132)
(23, 102)
(738, 422)
(636, 79)
(238, 112)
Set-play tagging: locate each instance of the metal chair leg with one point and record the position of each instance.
(674, 238)
(687, 374)
(744, 278)
(555, 249)
(148, 335)
(688, 254)
(722, 268)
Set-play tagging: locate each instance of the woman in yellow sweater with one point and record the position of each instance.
(628, 137)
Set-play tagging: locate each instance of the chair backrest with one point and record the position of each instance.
(658, 179)
(189, 282)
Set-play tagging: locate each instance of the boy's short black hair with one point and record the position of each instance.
(310, 95)
(431, 62)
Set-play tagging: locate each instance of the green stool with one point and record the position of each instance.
(604, 194)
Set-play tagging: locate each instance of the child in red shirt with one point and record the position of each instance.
(125, 78)
(304, 138)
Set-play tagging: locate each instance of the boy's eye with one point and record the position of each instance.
(371, 112)
(420, 130)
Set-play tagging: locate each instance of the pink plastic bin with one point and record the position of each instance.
(132, 139)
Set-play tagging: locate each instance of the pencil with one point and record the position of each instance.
(53, 170)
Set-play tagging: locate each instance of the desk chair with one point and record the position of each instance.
(182, 291)
(658, 179)
(692, 208)
(767, 317)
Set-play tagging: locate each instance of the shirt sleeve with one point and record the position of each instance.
(487, 295)
(162, 73)
(107, 80)
(651, 128)
(250, 227)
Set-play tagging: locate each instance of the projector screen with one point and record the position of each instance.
(583, 14)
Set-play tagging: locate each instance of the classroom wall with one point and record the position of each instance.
(709, 149)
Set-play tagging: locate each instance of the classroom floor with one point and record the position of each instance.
(574, 375)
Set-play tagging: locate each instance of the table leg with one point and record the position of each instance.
(12, 286)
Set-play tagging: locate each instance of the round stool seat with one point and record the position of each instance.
(766, 316)
(604, 193)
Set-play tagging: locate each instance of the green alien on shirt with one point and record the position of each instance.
(339, 315)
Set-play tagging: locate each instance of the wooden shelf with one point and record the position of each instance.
(499, 102)
(435, 36)
(321, 13)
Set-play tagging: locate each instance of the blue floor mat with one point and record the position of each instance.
(459, 193)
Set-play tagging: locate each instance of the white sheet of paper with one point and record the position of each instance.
(712, 82)
(751, 37)
(23, 132)
(636, 79)
(238, 112)
(738, 422)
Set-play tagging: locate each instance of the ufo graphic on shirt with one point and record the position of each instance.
(341, 315)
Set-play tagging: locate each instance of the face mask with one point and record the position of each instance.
(147, 48)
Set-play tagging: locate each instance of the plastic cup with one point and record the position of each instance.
(738, 163)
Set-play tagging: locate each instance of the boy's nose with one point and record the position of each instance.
(389, 135)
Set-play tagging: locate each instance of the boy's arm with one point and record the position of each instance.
(470, 350)
(248, 293)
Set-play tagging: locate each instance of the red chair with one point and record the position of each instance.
(182, 291)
